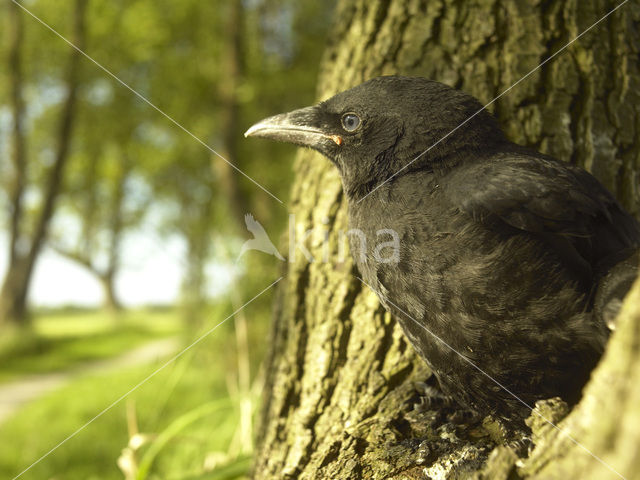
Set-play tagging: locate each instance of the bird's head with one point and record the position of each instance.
(387, 125)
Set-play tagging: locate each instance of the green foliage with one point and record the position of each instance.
(131, 170)
(185, 413)
(93, 453)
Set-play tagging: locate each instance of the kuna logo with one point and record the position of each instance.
(260, 240)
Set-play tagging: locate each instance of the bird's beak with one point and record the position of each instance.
(300, 127)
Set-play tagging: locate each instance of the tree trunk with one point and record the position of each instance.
(13, 280)
(18, 154)
(111, 301)
(14, 291)
(194, 283)
(340, 383)
(106, 276)
(115, 226)
(229, 83)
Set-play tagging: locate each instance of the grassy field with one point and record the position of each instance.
(58, 341)
(181, 424)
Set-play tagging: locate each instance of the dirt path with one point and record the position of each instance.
(14, 395)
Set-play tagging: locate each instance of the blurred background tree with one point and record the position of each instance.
(93, 176)
(26, 242)
(92, 164)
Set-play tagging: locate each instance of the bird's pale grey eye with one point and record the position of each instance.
(350, 122)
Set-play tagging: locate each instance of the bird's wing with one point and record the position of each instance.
(558, 201)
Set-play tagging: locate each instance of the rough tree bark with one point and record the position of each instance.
(13, 295)
(339, 387)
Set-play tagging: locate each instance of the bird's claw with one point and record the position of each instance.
(431, 398)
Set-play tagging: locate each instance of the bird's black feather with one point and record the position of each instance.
(504, 252)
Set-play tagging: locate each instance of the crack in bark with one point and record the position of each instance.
(354, 423)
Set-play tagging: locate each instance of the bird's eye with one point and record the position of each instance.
(350, 122)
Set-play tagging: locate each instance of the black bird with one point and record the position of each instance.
(509, 257)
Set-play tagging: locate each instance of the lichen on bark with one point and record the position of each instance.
(341, 379)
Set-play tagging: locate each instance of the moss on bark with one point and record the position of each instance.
(340, 382)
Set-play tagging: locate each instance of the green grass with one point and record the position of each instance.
(185, 411)
(58, 341)
(93, 452)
